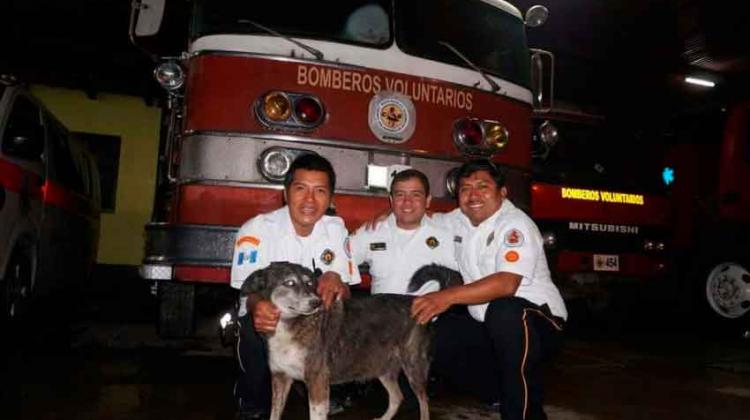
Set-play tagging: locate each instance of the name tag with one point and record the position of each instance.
(377, 246)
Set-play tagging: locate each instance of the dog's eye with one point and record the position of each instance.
(289, 283)
(309, 283)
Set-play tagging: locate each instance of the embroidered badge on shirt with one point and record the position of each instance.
(327, 257)
(249, 253)
(490, 238)
(432, 242)
(512, 256)
(377, 246)
(514, 238)
(251, 257)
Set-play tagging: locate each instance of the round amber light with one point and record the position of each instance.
(496, 135)
(276, 106)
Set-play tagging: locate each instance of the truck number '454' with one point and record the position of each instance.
(606, 262)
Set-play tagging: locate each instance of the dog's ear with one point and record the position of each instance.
(256, 282)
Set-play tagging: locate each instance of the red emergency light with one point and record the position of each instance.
(289, 110)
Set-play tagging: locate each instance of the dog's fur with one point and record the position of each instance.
(355, 340)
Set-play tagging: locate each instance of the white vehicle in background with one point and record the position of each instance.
(49, 203)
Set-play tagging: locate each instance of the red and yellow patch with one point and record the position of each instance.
(512, 256)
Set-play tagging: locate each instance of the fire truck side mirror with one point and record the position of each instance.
(148, 15)
(536, 16)
(542, 79)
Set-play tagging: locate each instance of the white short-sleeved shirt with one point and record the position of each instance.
(271, 237)
(394, 255)
(508, 241)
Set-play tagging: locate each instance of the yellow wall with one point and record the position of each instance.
(121, 240)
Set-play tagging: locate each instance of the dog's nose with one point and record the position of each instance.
(316, 302)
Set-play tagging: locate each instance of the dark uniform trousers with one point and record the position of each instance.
(253, 387)
(501, 358)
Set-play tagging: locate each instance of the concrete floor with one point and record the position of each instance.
(110, 366)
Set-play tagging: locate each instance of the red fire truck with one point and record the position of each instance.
(366, 84)
(711, 164)
(602, 210)
(674, 211)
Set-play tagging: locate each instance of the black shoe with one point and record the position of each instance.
(253, 414)
(493, 406)
(335, 406)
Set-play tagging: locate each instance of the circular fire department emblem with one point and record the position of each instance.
(392, 117)
(432, 242)
(327, 257)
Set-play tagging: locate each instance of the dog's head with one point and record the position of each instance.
(291, 287)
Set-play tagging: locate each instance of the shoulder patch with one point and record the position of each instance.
(252, 240)
(512, 256)
(327, 257)
(247, 256)
(377, 246)
(432, 242)
(513, 238)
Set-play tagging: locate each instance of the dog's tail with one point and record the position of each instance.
(433, 272)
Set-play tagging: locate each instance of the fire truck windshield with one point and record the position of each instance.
(491, 38)
(361, 22)
(594, 157)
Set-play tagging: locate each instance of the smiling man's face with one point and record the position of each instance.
(479, 196)
(308, 197)
(409, 201)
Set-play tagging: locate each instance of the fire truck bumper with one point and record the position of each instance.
(191, 253)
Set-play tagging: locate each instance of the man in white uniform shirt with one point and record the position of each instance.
(301, 233)
(517, 313)
(406, 240)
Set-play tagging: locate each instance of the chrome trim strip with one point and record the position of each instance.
(324, 142)
(339, 143)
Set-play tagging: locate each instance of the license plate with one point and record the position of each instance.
(604, 262)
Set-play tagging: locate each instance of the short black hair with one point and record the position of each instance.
(409, 174)
(311, 162)
(472, 166)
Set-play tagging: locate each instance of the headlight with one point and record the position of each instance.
(649, 245)
(274, 162)
(170, 76)
(548, 133)
(660, 246)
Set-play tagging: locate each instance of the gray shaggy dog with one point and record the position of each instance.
(355, 340)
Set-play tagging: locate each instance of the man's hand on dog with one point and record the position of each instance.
(428, 306)
(265, 316)
(331, 288)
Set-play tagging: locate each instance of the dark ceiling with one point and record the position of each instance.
(625, 59)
